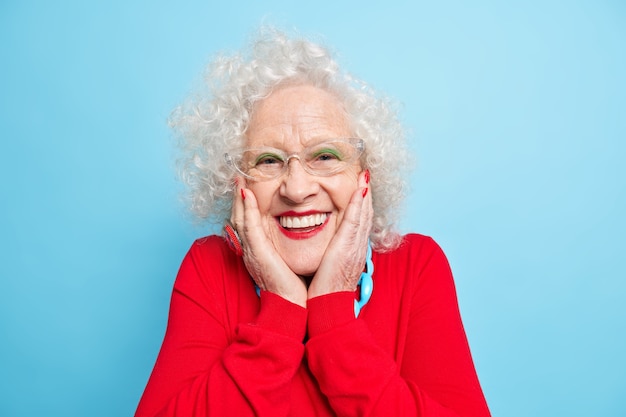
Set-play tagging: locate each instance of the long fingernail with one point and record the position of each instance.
(367, 176)
(365, 192)
(243, 194)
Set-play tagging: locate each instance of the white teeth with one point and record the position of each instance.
(301, 222)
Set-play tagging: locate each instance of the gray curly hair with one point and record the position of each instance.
(214, 120)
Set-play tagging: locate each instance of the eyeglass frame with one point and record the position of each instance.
(358, 143)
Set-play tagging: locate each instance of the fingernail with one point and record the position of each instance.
(243, 194)
(365, 192)
(367, 176)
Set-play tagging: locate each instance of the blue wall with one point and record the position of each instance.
(517, 114)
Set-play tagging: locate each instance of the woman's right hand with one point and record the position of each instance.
(267, 268)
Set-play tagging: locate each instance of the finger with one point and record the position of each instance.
(351, 237)
(265, 265)
(357, 217)
(246, 216)
(237, 210)
(251, 224)
(367, 210)
(360, 214)
(252, 230)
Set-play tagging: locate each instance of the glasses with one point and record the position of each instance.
(322, 159)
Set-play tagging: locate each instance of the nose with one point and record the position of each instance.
(298, 185)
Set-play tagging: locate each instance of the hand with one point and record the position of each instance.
(264, 264)
(344, 258)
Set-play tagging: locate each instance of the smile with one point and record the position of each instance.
(299, 226)
(302, 222)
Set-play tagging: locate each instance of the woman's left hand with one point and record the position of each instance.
(344, 258)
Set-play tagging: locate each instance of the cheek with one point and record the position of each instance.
(342, 193)
(264, 194)
(342, 204)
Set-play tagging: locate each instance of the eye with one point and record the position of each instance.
(268, 160)
(327, 154)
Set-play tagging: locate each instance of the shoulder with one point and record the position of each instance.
(414, 243)
(209, 257)
(412, 239)
(416, 253)
(209, 244)
(213, 278)
(211, 249)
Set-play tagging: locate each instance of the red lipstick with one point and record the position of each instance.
(304, 234)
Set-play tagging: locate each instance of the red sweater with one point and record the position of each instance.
(228, 352)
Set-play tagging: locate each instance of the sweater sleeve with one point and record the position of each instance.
(206, 369)
(432, 374)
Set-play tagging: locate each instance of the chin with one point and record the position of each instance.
(304, 271)
(303, 257)
(304, 265)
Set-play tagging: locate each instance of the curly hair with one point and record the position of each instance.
(214, 120)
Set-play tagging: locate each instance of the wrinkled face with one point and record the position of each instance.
(301, 212)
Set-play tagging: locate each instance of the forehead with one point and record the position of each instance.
(296, 116)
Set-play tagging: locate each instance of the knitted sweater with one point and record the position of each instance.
(229, 352)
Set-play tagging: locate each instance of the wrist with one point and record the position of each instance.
(296, 295)
(319, 287)
(330, 311)
(281, 316)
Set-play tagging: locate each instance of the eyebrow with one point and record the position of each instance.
(311, 142)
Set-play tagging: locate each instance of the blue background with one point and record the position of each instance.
(516, 111)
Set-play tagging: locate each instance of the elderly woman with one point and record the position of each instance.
(310, 304)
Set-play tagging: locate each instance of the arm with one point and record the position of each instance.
(428, 371)
(207, 368)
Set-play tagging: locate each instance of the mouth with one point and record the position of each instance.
(302, 222)
(302, 226)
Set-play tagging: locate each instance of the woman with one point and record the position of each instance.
(310, 305)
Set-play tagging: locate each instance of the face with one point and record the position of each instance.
(301, 212)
